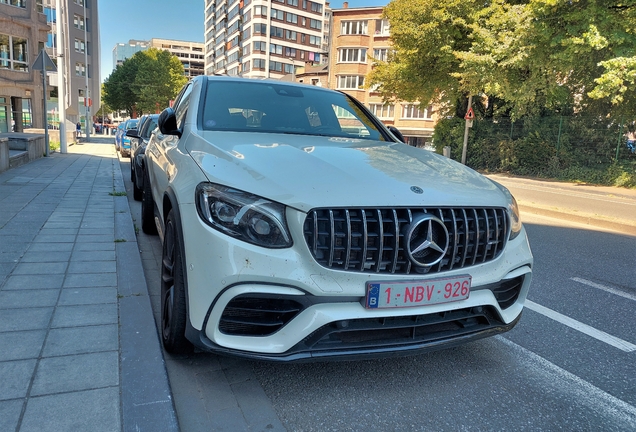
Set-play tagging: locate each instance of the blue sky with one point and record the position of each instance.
(122, 20)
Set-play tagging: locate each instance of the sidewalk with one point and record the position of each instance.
(79, 347)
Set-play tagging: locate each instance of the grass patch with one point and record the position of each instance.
(120, 240)
(113, 193)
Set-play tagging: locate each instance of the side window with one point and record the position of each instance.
(181, 107)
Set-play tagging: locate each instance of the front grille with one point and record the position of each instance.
(257, 316)
(373, 240)
(402, 331)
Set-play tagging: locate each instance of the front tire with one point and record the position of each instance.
(138, 193)
(173, 298)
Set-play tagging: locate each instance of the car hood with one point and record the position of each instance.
(308, 172)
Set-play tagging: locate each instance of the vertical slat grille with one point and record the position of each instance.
(372, 240)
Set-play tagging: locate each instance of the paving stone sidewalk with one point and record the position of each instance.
(78, 344)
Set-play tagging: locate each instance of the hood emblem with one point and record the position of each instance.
(417, 190)
(426, 240)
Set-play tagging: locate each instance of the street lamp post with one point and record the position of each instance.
(61, 70)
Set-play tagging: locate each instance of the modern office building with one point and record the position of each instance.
(360, 35)
(23, 34)
(123, 51)
(190, 53)
(263, 38)
(81, 54)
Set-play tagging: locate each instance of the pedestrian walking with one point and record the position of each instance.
(78, 130)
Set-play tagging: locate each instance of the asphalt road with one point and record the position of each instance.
(570, 364)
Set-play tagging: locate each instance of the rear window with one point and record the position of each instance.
(131, 124)
(265, 107)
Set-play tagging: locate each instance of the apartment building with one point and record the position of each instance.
(189, 53)
(264, 38)
(359, 36)
(23, 34)
(81, 53)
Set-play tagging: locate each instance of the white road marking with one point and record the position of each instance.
(605, 288)
(583, 328)
(593, 397)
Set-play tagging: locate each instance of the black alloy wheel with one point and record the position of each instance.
(173, 301)
(147, 208)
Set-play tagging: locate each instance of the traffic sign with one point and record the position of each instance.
(470, 115)
(44, 62)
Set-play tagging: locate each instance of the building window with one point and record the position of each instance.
(260, 29)
(383, 111)
(292, 2)
(315, 7)
(78, 21)
(79, 46)
(260, 46)
(276, 49)
(246, 66)
(13, 53)
(290, 35)
(382, 27)
(80, 69)
(17, 3)
(292, 18)
(79, 2)
(259, 64)
(352, 55)
(380, 54)
(278, 14)
(351, 82)
(315, 24)
(260, 10)
(413, 111)
(353, 28)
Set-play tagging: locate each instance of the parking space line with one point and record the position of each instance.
(583, 328)
(604, 288)
(595, 398)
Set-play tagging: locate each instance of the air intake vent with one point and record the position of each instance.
(257, 316)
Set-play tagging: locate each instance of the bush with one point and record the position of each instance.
(575, 148)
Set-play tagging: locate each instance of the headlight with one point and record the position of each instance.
(513, 211)
(515, 220)
(243, 216)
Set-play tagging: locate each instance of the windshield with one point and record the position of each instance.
(131, 124)
(253, 106)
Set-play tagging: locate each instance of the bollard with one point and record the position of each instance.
(447, 150)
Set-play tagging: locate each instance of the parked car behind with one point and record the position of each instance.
(295, 226)
(138, 142)
(125, 140)
(119, 132)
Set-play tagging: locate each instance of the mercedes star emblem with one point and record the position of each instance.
(426, 240)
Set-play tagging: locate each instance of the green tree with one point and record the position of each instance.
(145, 82)
(528, 56)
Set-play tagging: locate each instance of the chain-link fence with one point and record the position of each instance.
(568, 147)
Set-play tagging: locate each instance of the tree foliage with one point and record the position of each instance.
(144, 83)
(527, 56)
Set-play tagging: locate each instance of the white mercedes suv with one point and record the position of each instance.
(296, 226)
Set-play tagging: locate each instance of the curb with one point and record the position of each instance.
(146, 397)
(590, 220)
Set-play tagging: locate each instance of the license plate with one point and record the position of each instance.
(401, 294)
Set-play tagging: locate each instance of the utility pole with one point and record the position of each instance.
(87, 98)
(469, 123)
(61, 71)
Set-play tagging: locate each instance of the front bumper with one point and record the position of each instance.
(331, 320)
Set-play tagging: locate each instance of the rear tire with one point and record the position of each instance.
(173, 297)
(147, 208)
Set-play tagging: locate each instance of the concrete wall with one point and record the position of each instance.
(4, 154)
(32, 145)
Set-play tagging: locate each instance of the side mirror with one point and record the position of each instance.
(133, 133)
(167, 122)
(396, 133)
